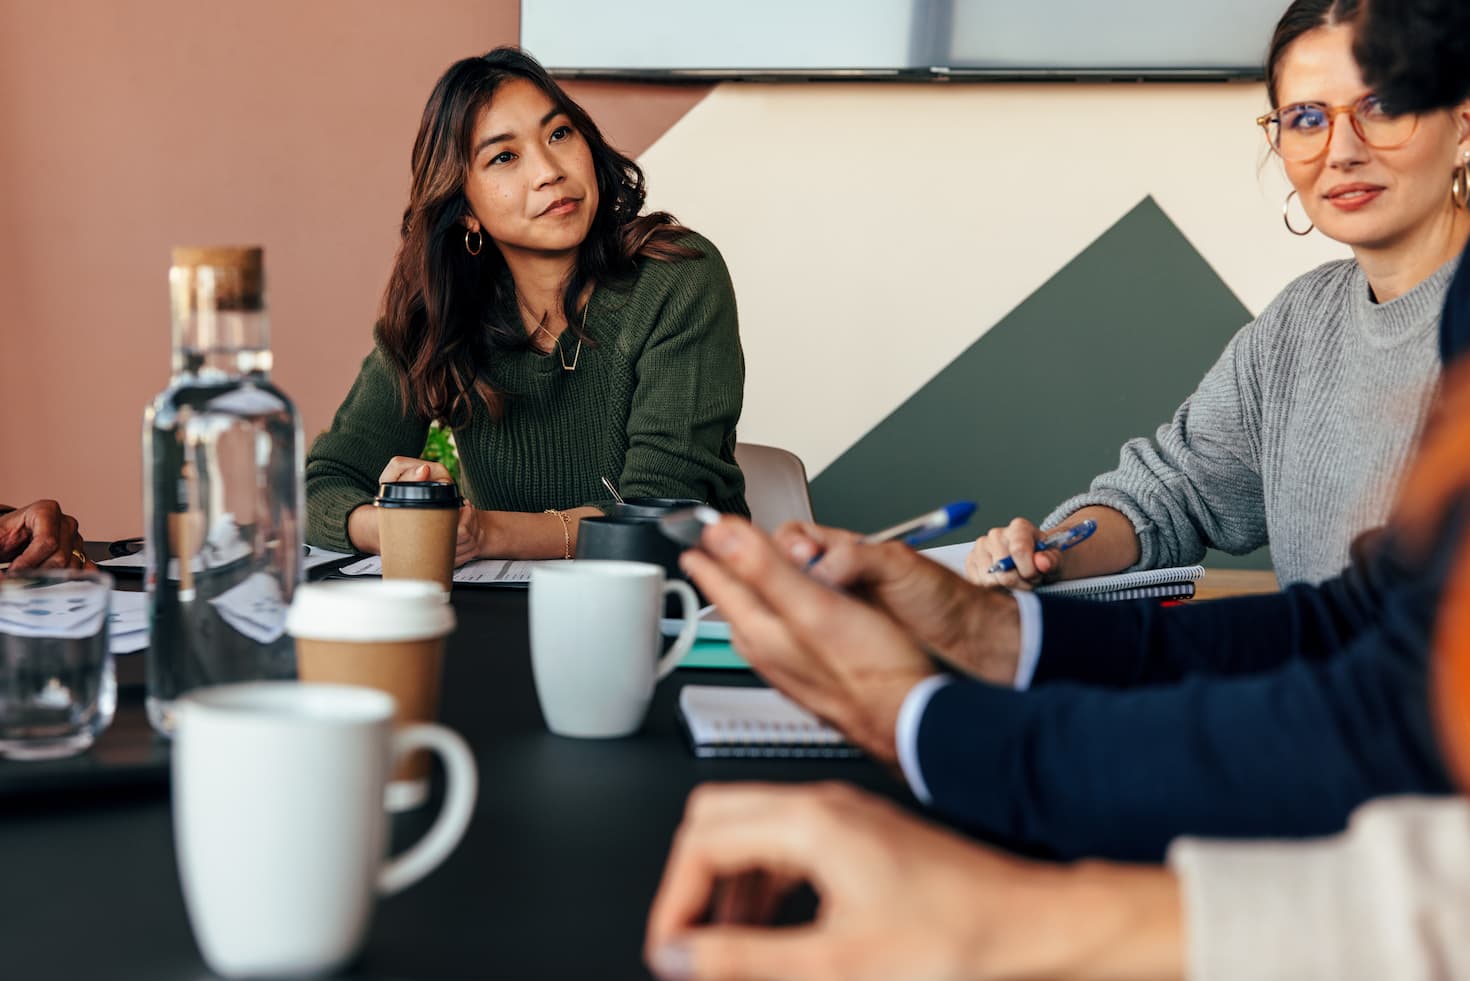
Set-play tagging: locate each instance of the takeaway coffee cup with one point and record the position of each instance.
(418, 522)
(386, 634)
(279, 824)
(595, 643)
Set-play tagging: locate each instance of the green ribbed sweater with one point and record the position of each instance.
(653, 406)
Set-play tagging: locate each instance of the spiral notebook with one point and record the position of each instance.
(729, 721)
(1174, 583)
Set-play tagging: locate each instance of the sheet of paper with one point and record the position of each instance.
(484, 572)
(316, 557)
(952, 557)
(129, 612)
(64, 610)
(254, 608)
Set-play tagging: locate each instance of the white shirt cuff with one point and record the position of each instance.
(1030, 608)
(907, 736)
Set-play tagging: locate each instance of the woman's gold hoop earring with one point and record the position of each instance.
(479, 241)
(1286, 216)
(1460, 185)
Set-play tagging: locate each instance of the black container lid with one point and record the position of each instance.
(417, 494)
(647, 508)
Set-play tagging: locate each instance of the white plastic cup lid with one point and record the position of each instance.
(375, 610)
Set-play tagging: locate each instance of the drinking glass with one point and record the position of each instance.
(57, 687)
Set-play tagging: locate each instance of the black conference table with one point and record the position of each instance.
(552, 880)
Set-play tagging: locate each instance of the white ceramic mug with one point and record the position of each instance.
(279, 823)
(595, 641)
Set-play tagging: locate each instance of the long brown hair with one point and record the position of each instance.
(444, 310)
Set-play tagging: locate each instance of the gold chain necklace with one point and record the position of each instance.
(556, 339)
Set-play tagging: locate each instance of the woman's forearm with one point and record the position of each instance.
(530, 535)
(1112, 548)
(362, 529)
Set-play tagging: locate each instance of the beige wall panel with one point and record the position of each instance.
(875, 231)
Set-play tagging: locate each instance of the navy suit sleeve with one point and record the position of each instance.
(1144, 642)
(1089, 771)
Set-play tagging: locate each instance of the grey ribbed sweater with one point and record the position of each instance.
(1297, 436)
(653, 406)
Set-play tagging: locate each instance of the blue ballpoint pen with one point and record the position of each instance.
(918, 530)
(1059, 542)
(685, 526)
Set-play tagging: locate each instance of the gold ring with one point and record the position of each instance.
(80, 557)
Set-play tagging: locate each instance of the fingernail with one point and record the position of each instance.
(722, 539)
(673, 961)
(803, 551)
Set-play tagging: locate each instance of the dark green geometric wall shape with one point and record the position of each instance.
(1027, 415)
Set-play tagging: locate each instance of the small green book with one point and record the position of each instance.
(714, 654)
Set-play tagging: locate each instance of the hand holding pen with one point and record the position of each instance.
(1059, 541)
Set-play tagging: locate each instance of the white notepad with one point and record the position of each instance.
(731, 721)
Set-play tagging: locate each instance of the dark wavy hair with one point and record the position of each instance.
(1302, 17)
(444, 311)
(1416, 53)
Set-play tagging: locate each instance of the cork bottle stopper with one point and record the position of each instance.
(236, 278)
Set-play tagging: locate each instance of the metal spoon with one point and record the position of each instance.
(612, 490)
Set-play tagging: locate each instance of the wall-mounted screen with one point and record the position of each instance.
(900, 39)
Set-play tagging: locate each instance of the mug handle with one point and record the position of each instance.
(690, 603)
(454, 817)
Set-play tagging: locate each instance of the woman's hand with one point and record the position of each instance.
(474, 540)
(1018, 540)
(1112, 548)
(408, 468)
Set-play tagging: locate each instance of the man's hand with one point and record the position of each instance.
(899, 898)
(41, 536)
(843, 659)
(976, 630)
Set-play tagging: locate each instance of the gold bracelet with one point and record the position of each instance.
(566, 532)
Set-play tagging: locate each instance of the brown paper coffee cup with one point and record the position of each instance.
(409, 670)
(418, 543)
(387, 635)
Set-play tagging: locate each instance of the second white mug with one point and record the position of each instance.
(595, 640)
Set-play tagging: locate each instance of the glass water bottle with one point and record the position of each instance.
(223, 499)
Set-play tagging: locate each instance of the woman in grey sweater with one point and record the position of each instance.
(1298, 435)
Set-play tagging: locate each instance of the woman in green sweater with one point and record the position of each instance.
(560, 333)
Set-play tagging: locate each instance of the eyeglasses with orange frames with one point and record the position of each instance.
(1301, 132)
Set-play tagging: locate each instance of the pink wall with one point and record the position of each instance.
(128, 128)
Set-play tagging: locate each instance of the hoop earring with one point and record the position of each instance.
(1460, 185)
(1286, 216)
(479, 241)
